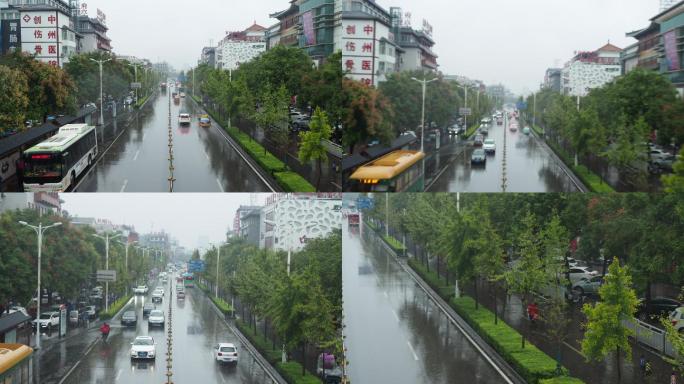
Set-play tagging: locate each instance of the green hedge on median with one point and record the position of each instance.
(472, 130)
(292, 372)
(561, 380)
(114, 308)
(293, 182)
(445, 291)
(393, 243)
(222, 305)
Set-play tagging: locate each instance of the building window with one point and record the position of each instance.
(381, 67)
(382, 47)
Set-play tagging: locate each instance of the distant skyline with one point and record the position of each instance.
(496, 41)
(188, 217)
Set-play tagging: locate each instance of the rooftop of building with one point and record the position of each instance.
(668, 13)
(609, 48)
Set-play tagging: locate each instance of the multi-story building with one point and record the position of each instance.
(44, 202)
(47, 30)
(316, 26)
(247, 223)
(552, 79)
(286, 31)
(209, 56)
(93, 33)
(592, 69)
(416, 45)
(240, 47)
(643, 54)
(290, 220)
(669, 48)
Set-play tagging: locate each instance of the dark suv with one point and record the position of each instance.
(658, 307)
(129, 318)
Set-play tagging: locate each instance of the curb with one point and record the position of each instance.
(561, 164)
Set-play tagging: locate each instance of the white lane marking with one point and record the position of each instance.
(118, 375)
(395, 315)
(144, 134)
(412, 350)
(123, 187)
(386, 295)
(206, 155)
(219, 185)
(136, 155)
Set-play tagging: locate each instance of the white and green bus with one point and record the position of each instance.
(54, 164)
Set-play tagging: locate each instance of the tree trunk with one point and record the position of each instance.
(496, 309)
(318, 177)
(477, 303)
(619, 374)
(303, 358)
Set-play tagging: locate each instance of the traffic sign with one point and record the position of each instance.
(196, 266)
(136, 85)
(521, 105)
(106, 275)
(465, 111)
(364, 203)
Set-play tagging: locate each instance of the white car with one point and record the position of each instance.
(48, 320)
(156, 318)
(157, 297)
(140, 290)
(489, 146)
(184, 119)
(143, 347)
(159, 289)
(226, 353)
(677, 319)
(575, 274)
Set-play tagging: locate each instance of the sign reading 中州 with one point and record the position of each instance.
(359, 39)
(40, 35)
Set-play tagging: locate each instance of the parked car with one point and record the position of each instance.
(661, 164)
(90, 311)
(143, 347)
(489, 146)
(74, 316)
(657, 154)
(129, 318)
(575, 274)
(147, 308)
(301, 122)
(677, 319)
(48, 320)
(140, 290)
(588, 286)
(657, 307)
(156, 318)
(226, 353)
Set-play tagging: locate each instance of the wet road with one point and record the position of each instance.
(138, 160)
(394, 332)
(196, 328)
(529, 167)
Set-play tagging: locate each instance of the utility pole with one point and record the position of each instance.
(135, 70)
(423, 83)
(106, 238)
(100, 62)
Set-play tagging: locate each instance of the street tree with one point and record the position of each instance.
(312, 147)
(605, 332)
(13, 98)
(368, 115)
(527, 275)
(321, 88)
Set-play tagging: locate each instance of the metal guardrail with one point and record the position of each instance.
(650, 336)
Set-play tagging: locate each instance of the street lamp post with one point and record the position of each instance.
(423, 83)
(39, 231)
(218, 262)
(126, 245)
(465, 105)
(135, 71)
(100, 62)
(106, 238)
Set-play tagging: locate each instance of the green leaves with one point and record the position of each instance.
(13, 98)
(604, 332)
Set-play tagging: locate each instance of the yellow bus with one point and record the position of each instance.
(16, 364)
(397, 171)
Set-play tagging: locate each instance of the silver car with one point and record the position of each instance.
(156, 318)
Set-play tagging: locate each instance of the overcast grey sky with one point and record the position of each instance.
(512, 42)
(185, 216)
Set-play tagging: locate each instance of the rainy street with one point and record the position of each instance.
(204, 160)
(391, 322)
(197, 327)
(530, 167)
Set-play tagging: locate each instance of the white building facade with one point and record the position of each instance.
(589, 70)
(291, 220)
(240, 47)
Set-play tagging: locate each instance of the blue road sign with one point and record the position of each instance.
(196, 266)
(364, 203)
(521, 106)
